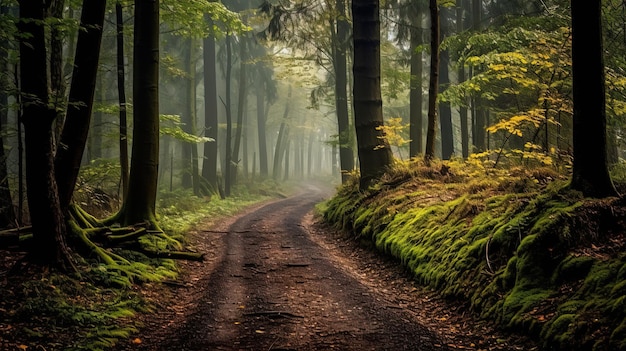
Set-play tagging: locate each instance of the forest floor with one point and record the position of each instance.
(275, 278)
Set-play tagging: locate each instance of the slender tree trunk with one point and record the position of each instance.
(590, 172)
(480, 122)
(46, 216)
(121, 92)
(445, 111)
(460, 8)
(7, 211)
(229, 119)
(189, 149)
(82, 89)
(415, 95)
(241, 106)
(260, 107)
(374, 151)
(434, 77)
(281, 139)
(346, 156)
(141, 200)
(209, 166)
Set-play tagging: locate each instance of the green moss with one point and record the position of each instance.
(515, 257)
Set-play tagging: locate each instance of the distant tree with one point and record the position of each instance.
(374, 152)
(590, 171)
(209, 166)
(429, 154)
(48, 223)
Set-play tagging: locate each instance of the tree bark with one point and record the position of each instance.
(434, 77)
(445, 110)
(47, 219)
(229, 119)
(82, 89)
(121, 91)
(241, 106)
(590, 172)
(374, 151)
(415, 95)
(261, 116)
(141, 200)
(346, 155)
(209, 166)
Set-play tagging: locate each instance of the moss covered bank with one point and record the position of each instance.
(519, 248)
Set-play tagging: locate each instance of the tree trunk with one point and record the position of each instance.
(460, 8)
(229, 118)
(281, 140)
(57, 81)
(415, 95)
(346, 156)
(432, 86)
(479, 113)
(209, 166)
(47, 219)
(140, 203)
(82, 89)
(445, 112)
(374, 151)
(241, 106)
(590, 172)
(7, 211)
(261, 116)
(121, 91)
(189, 149)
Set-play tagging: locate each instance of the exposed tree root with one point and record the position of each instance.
(93, 238)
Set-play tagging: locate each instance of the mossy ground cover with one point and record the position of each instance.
(93, 308)
(517, 245)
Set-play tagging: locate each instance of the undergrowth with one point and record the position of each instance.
(523, 250)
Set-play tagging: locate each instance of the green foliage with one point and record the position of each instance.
(514, 243)
(188, 18)
(171, 125)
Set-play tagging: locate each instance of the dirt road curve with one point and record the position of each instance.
(270, 283)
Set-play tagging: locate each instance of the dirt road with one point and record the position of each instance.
(273, 281)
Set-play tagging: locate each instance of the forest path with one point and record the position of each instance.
(273, 280)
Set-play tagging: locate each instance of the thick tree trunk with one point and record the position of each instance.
(57, 81)
(47, 219)
(209, 166)
(374, 151)
(82, 89)
(590, 172)
(141, 200)
(480, 118)
(434, 77)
